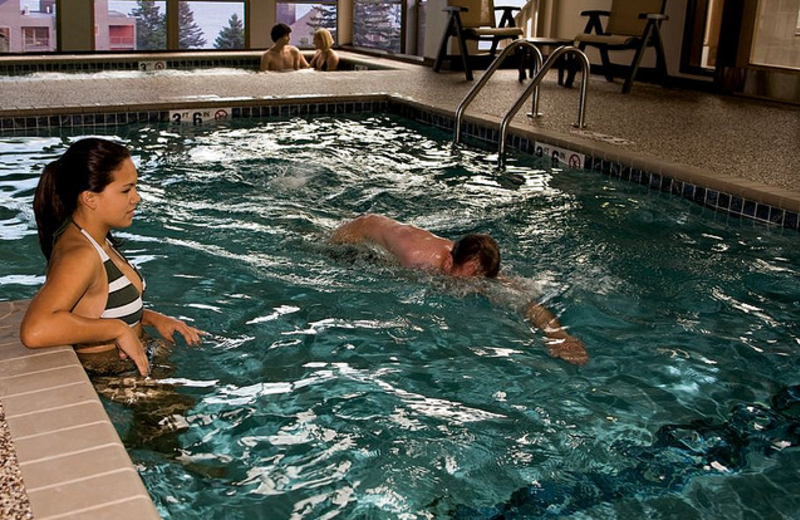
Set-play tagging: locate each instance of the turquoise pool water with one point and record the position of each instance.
(337, 385)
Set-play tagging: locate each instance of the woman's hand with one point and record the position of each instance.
(167, 327)
(131, 347)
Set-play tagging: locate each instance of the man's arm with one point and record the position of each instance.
(299, 60)
(559, 343)
(366, 228)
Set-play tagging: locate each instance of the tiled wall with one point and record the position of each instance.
(479, 134)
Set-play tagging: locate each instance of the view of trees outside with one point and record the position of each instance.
(305, 18)
(377, 24)
(151, 25)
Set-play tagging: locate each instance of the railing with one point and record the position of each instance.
(541, 70)
(534, 86)
(488, 74)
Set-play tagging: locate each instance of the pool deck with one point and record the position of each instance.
(64, 448)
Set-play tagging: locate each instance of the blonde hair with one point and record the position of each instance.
(325, 38)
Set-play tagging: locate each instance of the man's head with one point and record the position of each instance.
(475, 255)
(279, 31)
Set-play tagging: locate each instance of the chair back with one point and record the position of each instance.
(528, 18)
(624, 17)
(480, 14)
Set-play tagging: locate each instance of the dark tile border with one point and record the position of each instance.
(481, 135)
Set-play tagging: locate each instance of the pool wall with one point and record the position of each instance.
(79, 63)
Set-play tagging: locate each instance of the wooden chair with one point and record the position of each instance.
(475, 20)
(632, 24)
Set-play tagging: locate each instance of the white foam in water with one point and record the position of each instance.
(126, 74)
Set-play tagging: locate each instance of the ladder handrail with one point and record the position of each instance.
(534, 86)
(488, 74)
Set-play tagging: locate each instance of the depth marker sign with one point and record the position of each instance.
(560, 155)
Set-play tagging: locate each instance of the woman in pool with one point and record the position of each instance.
(325, 59)
(92, 296)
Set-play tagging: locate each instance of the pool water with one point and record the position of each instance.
(335, 384)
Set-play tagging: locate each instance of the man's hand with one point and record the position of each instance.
(568, 348)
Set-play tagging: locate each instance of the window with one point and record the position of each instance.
(775, 43)
(306, 17)
(122, 25)
(211, 25)
(378, 24)
(5, 39)
(36, 39)
(121, 37)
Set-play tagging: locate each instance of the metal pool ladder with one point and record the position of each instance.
(541, 70)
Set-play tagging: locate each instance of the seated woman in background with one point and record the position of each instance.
(325, 59)
(92, 296)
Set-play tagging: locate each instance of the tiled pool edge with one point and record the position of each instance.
(730, 195)
(72, 462)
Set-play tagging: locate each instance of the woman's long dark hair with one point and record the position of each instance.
(87, 165)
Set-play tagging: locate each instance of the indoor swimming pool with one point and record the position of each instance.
(335, 384)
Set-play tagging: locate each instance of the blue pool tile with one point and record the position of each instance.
(666, 184)
(699, 195)
(655, 181)
(776, 216)
(676, 187)
(762, 212)
(712, 197)
(749, 209)
(724, 201)
(645, 178)
(791, 220)
(688, 190)
(737, 205)
(636, 175)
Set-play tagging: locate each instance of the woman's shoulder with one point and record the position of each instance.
(72, 250)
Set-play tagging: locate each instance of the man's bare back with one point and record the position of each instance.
(416, 248)
(413, 247)
(283, 58)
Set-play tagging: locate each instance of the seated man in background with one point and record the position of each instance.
(282, 56)
(472, 255)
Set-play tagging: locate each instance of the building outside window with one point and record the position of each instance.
(306, 17)
(35, 39)
(27, 26)
(5, 39)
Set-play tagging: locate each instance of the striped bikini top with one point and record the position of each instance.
(124, 301)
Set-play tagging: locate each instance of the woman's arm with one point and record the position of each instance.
(50, 320)
(332, 61)
(167, 327)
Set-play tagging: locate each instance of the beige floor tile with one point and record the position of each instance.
(55, 420)
(92, 496)
(84, 439)
(75, 467)
(46, 400)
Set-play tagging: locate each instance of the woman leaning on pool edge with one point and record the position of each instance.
(81, 197)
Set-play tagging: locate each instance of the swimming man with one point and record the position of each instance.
(472, 255)
(282, 56)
